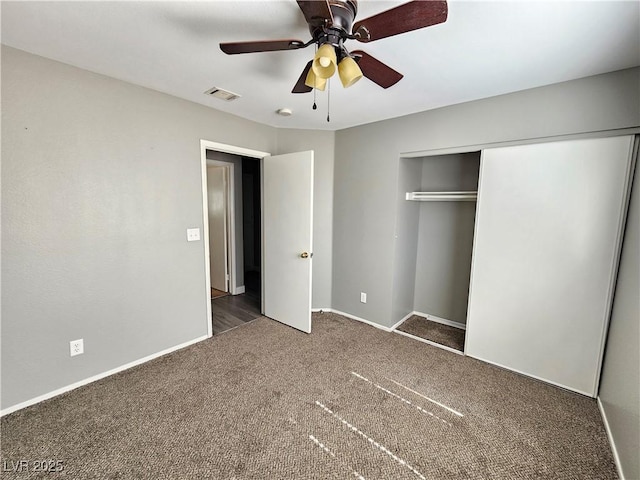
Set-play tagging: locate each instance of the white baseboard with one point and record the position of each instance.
(352, 317)
(525, 374)
(443, 321)
(433, 318)
(99, 376)
(321, 310)
(616, 458)
(238, 290)
(429, 342)
(402, 320)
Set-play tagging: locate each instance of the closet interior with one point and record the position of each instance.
(437, 206)
(545, 233)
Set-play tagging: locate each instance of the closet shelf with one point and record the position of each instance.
(470, 196)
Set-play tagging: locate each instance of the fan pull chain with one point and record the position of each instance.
(315, 83)
(315, 86)
(328, 98)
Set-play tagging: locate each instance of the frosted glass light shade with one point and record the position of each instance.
(315, 82)
(349, 72)
(324, 62)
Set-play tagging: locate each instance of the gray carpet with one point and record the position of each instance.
(436, 332)
(347, 401)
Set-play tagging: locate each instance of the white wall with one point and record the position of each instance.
(100, 180)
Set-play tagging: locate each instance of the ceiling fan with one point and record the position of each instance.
(331, 24)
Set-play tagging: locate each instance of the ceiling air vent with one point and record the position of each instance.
(225, 95)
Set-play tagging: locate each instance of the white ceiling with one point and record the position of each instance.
(485, 48)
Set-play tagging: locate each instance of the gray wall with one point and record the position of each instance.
(406, 242)
(322, 143)
(237, 193)
(445, 238)
(620, 381)
(100, 180)
(433, 240)
(367, 168)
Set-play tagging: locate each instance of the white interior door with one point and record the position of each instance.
(217, 198)
(548, 228)
(287, 216)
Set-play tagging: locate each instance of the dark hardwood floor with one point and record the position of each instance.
(234, 310)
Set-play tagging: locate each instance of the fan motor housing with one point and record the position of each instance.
(344, 12)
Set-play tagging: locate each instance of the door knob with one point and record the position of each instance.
(304, 255)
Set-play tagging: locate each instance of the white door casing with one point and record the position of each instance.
(206, 145)
(287, 216)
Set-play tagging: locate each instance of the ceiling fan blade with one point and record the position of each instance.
(233, 48)
(300, 86)
(375, 70)
(315, 10)
(404, 18)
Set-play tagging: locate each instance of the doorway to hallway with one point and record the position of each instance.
(235, 233)
(279, 265)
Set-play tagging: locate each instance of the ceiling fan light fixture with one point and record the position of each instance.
(349, 71)
(314, 81)
(325, 61)
(331, 24)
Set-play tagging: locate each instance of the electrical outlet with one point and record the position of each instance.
(363, 297)
(193, 234)
(76, 347)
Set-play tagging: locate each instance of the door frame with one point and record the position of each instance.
(234, 150)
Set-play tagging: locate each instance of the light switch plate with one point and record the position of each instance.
(193, 234)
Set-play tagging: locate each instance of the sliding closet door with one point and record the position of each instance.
(548, 226)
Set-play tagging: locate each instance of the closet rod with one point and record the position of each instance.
(442, 196)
